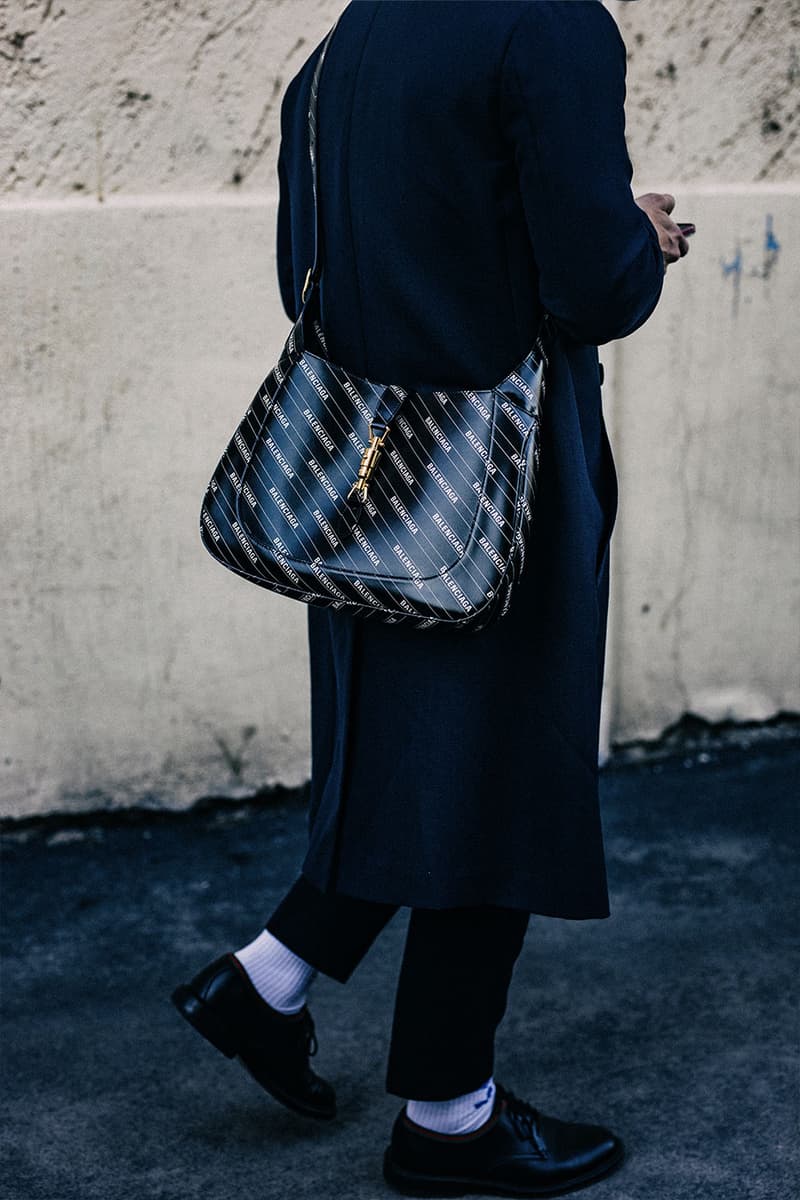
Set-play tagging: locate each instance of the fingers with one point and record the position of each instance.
(673, 245)
(673, 240)
(662, 201)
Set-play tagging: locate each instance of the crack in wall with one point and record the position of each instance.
(252, 154)
(739, 35)
(219, 32)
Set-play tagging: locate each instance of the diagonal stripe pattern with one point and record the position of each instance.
(440, 538)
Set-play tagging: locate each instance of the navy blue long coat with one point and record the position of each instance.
(473, 169)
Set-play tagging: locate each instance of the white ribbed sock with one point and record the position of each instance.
(279, 976)
(464, 1114)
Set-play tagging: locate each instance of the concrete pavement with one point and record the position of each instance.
(675, 1022)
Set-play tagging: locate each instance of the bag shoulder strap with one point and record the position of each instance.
(314, 272)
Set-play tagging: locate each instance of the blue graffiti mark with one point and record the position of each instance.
(771, 251)
(734, 267)
(771, 243)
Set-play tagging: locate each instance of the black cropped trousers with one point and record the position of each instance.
(453, 985)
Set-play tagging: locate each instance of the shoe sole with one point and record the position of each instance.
(411, 1183)
(202, 1017)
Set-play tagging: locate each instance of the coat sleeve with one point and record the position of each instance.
(563, 89)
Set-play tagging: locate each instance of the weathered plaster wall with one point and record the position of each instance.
(134, 668)
(106, 96)
(713, 89)
(705, 406)
(705, 399)
(140, 310)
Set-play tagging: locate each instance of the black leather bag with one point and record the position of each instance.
(407, 506)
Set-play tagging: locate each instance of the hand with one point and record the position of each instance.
(673, 242)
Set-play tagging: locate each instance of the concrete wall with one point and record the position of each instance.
(704, 399)
(704, 406)
(140, 311)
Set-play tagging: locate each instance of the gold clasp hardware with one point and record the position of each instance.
(306, 285)
(369, 461)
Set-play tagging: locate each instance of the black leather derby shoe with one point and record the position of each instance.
(222, 1004)
(519, 1152)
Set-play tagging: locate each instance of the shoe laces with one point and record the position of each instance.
(525, 1119)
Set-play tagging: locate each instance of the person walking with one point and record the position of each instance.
(473, 174)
